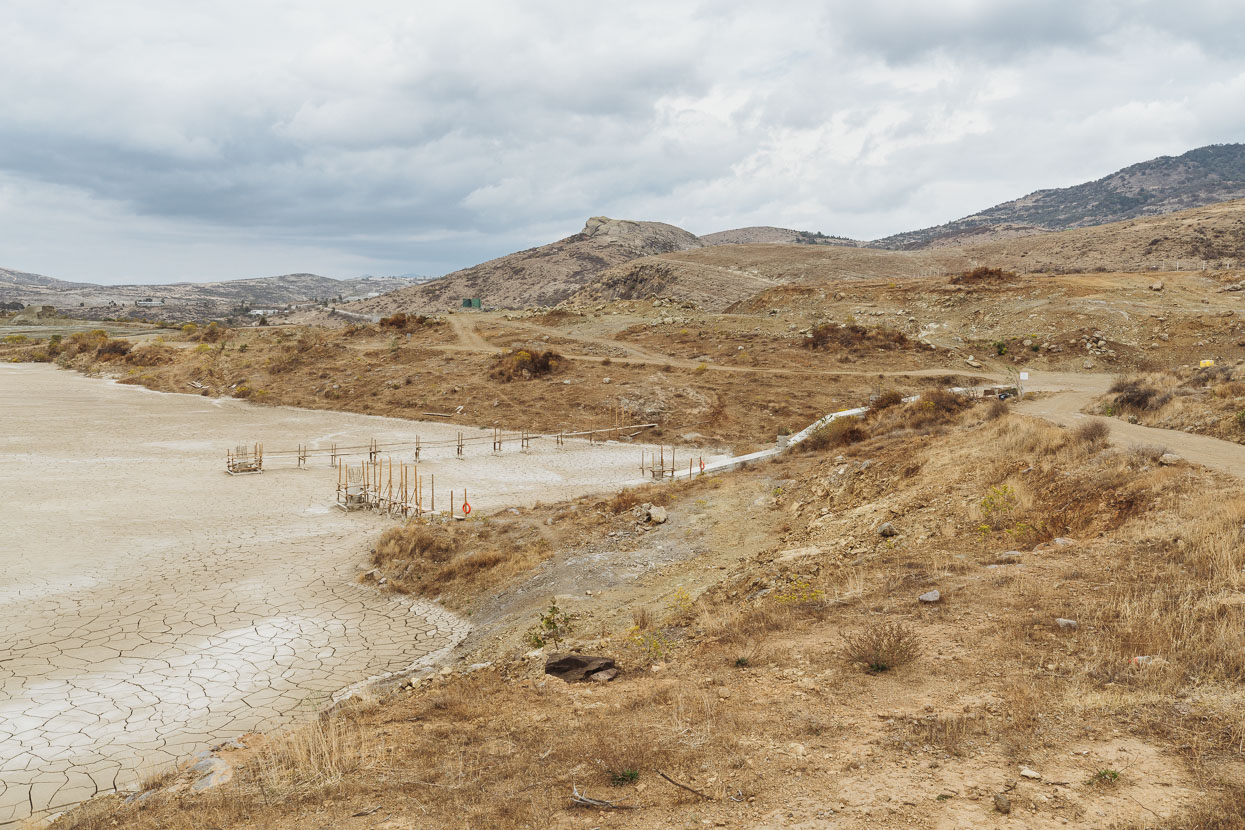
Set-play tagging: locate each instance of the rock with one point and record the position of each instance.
(1170, 459)
(887, 530)
(605, 380)
(1156, 286)
(1009, 557)
(1002, 803)
(213, 772)
(603, 676)
(931, 596)
(575, 667)
(793, 554)
(1032, 775)
(976, 364)
(1149, 661)
(1088, 364)
(1066, 624)
(658, 515)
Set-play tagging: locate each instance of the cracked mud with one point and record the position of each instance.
(151, 605)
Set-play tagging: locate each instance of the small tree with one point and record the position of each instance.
(551, 628)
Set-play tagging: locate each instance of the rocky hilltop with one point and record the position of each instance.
(764, 234)
(540, 276)
(1200, 177)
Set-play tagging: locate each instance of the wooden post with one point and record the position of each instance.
(460, 445)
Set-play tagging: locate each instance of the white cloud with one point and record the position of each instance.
(153, 141)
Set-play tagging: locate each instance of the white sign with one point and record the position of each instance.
(1024, 375)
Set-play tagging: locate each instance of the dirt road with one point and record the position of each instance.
(1075, 391)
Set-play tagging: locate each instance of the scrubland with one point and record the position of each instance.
(1082, 664)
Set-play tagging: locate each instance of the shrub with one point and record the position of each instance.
(111, 349)
(888, 399)
(837, 433)
(983, 274)
(551, 628)
(1000, 348)
(1092, 432)
(153, 355)
(882, 647)
(1132, 395)
(525, 365)
(996, 409)
(853, 337)
(214, 333)
(402, 321)
(414, 542)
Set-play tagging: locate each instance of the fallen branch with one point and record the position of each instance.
(684, 786)
(581, 800)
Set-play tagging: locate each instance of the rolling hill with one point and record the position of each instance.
(1215, 173)
(540, 276)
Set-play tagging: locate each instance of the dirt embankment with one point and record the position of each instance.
(946, 616)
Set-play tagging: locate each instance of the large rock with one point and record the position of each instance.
(887, 530)
(576, 667)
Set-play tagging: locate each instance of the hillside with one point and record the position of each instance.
(715, 277)
(1204, 176)
(540, 276)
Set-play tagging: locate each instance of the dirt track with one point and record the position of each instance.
(1074, 391)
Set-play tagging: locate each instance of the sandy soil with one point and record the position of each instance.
(154, 605)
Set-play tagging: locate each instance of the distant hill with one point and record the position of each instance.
(769, 235)
(540, 276)
(187, 298)
(1204, 176)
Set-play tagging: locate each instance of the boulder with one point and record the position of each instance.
(887, 530)
(658, 515)
(931, 596)
(1170, 459)
(576, 667)
(1156, 286)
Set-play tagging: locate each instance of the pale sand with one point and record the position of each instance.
(153, 605)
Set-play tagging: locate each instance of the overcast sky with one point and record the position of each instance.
(157, 141)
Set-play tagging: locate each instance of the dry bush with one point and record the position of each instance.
(214, 333)
(883, 646)
(113, 349)
(1134, 396)
(937, 407)
(412, 543)
(1145, 454)
(525, 365)
(983, 274)
(1091, 433)
(402, 321)
(950, 734)
(152, 355)
(887, 399)
(996, 409)
(840, 432)
(631, 497)
(853, 337)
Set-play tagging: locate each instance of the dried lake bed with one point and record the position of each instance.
(151, 605)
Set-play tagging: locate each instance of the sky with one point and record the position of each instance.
(154, 141)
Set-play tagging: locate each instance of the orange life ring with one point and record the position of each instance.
(702, 465)
(466, 508)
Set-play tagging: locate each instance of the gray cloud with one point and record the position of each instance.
(149, 141)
